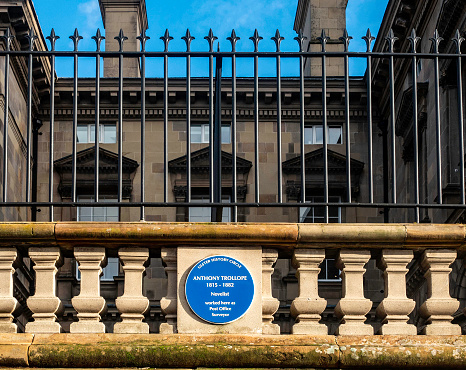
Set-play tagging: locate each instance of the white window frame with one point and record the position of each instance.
(113, 263)
(102, 128)
(206, 211)
(226, 139)
(310, 134)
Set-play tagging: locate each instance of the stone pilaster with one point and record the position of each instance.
(439, 307)
(396, 307)
(353, 307)
(8, 303)
(45, 304)
(89, 304)
(132, 304)
(269, 304)
(168, 303)
(308, 306)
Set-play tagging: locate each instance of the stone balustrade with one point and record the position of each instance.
(394, 247)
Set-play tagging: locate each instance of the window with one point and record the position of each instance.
(98, 214)
(328, 270)
(314, 134)
(86, 133)
(317, 214)
(203, 214)
(200, 133)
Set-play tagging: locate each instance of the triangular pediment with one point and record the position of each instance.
(315, 163)
(200, 162)
(85, 162)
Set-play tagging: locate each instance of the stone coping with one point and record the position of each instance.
(280, 235)
(230, 351)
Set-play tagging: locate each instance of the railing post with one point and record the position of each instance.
(89, 304)
(395, 307)
(269, 304)
(8, 302)
(132, 304)
(308, 306)
(439, 307)
(353, 307)
(45, 304)
(168, 303)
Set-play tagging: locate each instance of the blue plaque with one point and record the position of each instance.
(219, 289)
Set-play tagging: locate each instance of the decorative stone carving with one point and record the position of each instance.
(395, 307)
(132, 304)
(45, 304)
(439, 307)
(308, 306)
(89, 304)
(168, 303)
(353, 307)
(269, 304)
(7, 302)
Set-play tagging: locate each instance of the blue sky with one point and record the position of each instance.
(200, 15)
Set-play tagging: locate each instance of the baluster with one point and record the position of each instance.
(269, 304)
(8, 303)
(395, 307)
(89, 304)
(353, 307)
(45, 304)
(308, 306)
(132, 304)
(439, 307)
(168, 303)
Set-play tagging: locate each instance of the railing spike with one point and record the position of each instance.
(188, 38)
(391, 38)
(458, 40)
(121, 39)
(436, 40)
(8, 37)
(323, 39)
(210, 39)
(368, 39)
(166, 38)
(98, 39)
(31, 37)
(300, 38)
(233, 39)
(346, 39)
(414, 39)
(255, 39)
(143, 39)
(76, 37)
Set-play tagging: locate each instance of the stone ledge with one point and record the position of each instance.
(231, 351)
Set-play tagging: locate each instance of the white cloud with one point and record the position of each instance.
(90, 10)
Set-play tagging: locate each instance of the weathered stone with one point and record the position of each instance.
(14, 349)
(269, 304)
(7, 301)
(168, 304)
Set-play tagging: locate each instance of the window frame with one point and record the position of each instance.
(102, 129)
(226, 215)
(313, 128)
(205, 133)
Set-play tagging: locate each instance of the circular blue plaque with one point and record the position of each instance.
(219, 289)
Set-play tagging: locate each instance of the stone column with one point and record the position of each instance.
(353, 307)
(89, 304)
(132, 304)
(168, 303)
(269, 304)
(439, 307)
(8, 303)
(395, 307)
(45, 304)
(308, 306)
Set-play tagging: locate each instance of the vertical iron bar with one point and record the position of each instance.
(279, 131)
(302, 129)
(256, 129)
(143, 133)
(6, 123)
(97, 128)
(414, 40)
(369, 128)
(348, 132)
(217, 142)
(392, 126)
(75, 126)
(461, 119)
(233, 138)
(52, 128)
(165, 128)
(211, 128)
(188, 128)
(29, 131)
(324, 133)
(437, 130)
(120, 127)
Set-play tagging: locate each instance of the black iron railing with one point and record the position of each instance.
(388, 112)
